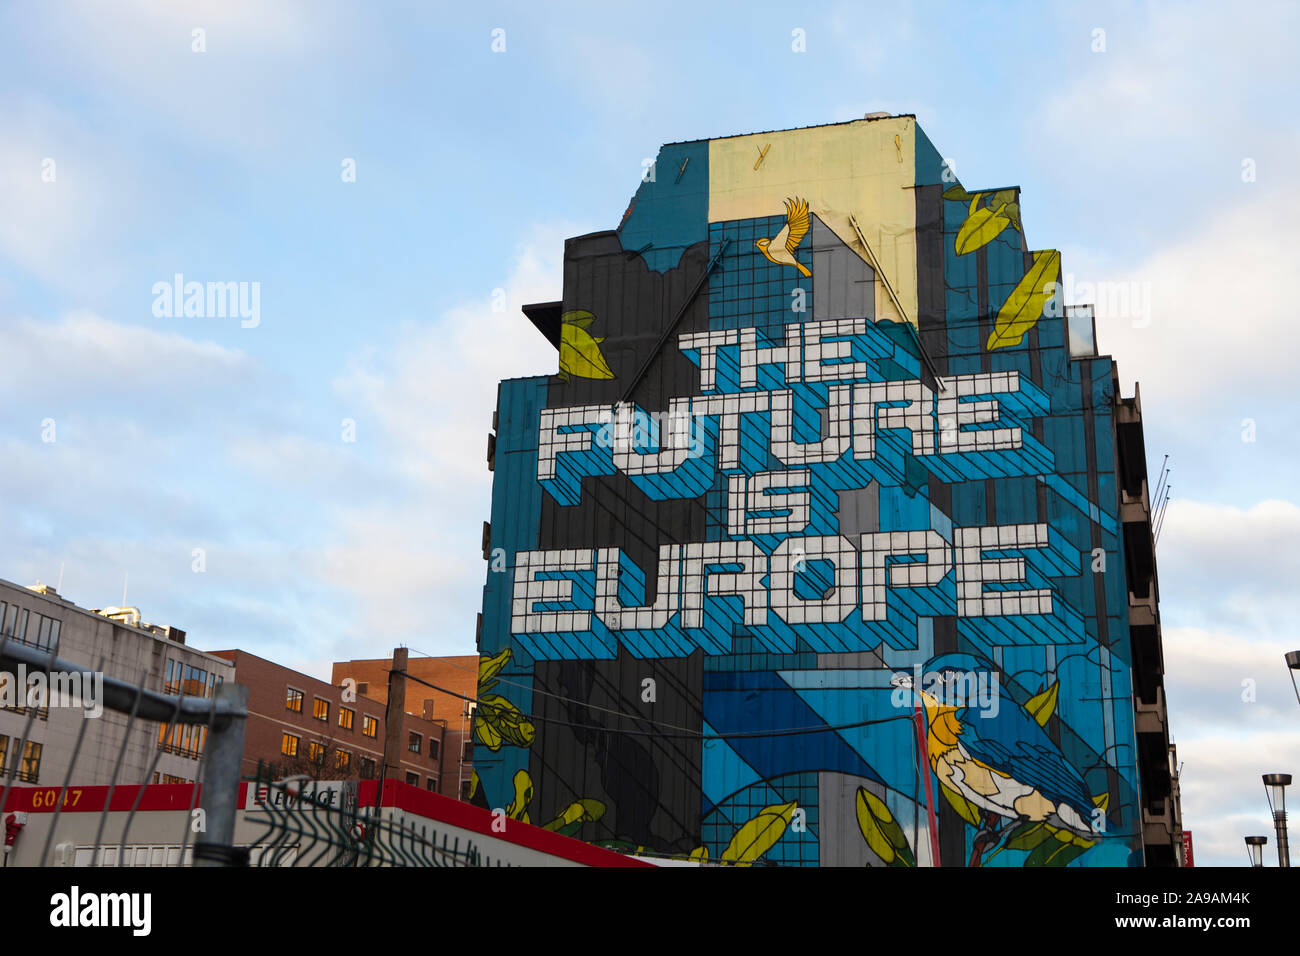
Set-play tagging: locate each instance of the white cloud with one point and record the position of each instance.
(426, 402)
(90, 355)
(1221, 319)
(1231, 566)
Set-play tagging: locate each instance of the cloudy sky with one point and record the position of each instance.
(1158, 155)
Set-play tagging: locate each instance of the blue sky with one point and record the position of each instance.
(472, 167)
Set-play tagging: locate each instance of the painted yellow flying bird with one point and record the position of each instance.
(781, 249)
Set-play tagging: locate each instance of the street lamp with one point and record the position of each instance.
(1255, 848)
(1275, 785)
(1293, 664)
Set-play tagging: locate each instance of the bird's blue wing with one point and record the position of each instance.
(1012, 743)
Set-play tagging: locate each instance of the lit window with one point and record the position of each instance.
(320, 709)
(369, 726)
(31, 766)
(293, 700)
(289, 745)
(346, 716)
(343, 760)
(414, 743)
(315, 752)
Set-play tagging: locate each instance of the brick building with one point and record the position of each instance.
(457, 678)
(302, 725)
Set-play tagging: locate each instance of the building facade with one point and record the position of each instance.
(438, 689)
(299, 725)
(829, 543)
(116, 642)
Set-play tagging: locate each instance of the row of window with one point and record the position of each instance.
(28, 627)
(168, 778)
(189, 680)
(320, 709)
(187, 740)
(291, 746)
(29, 767)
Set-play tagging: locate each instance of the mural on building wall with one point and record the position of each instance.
(834, 576)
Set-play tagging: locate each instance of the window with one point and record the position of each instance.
(31, 766)
(433, 747)
(289, 745)
(465, 786)
(320, 709)
(293, 700)
(467, 754)
(346, 716)
(363, 688)
(368, 768)
(343, 760)
(43, 632)
(431, 784)
(414, 743)
(315, 752)
(413, 779)
(369, 726)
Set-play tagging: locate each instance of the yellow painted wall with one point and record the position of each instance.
(864, 168)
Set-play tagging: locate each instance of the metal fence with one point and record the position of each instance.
(288, 823)
(303, 825)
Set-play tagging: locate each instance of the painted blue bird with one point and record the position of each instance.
(989, 751)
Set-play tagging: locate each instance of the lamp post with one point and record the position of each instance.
(1275, 785)
(1293, 665)
(1255, 849)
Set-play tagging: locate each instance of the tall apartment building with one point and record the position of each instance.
(831, 526)
(118, 643)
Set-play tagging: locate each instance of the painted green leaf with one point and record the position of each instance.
(1012, 211)
(485, 732)
(981, 227)
(505, 720)
(1042, 705)
(967, 810)
(1028, 836)
(956, 193)
(580, 355)
(489, 667)
(1060, 851)
(759, 835)
(575, 815)
(1024, 307)
(518, 808)
(881, 830)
